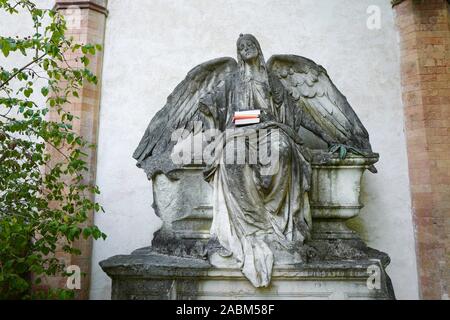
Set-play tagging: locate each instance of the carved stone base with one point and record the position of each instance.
(185, 263)
(148, 275)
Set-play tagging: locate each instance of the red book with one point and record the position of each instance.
(246, 117)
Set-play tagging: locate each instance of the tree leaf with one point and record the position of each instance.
(342, 152)
(5, 48)
(44, 91)
(27, 92)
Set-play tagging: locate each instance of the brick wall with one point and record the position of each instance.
(424, 28)
(86, 24)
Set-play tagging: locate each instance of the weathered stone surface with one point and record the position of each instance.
(177, 251)
(154, 276)
(336, 184)
(260, 208)
(184, 203)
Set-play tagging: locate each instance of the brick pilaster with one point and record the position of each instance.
(86, 24)
(424, 28)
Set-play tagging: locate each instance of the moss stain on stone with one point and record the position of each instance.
(357, 225)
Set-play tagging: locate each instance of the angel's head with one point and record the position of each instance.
(249, 50)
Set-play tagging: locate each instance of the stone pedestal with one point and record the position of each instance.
(181, 263)
(141, 276)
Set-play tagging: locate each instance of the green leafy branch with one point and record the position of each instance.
(45, 195)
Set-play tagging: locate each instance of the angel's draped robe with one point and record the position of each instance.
(256, 215)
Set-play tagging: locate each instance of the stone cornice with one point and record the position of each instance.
(91, 5)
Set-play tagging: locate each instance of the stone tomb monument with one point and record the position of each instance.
(255, 168)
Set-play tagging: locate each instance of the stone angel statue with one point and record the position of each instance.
(257, 217)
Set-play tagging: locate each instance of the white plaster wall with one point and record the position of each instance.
(152, 44)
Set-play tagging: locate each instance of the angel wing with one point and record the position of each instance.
(319, 99)
(180, 112)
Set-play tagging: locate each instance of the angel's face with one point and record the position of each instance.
(247, 50)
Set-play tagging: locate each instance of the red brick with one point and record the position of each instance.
(425, 68)
(86, 108)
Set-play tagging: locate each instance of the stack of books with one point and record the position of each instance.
(242, 118)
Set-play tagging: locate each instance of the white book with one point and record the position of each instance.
(248, 112)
